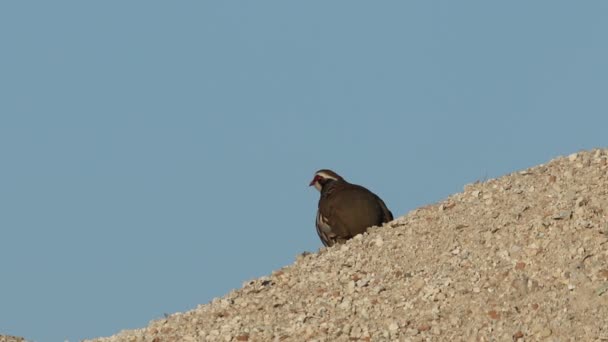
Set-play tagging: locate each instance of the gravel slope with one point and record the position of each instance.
(8, 338)
(521, 257)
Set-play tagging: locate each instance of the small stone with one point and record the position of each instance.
(378, 289)
(563, 215)
(602, 290)
(345, 305)
(572, 157)
(350, 288)
(346, 329)
(356, 332)
(445, 206)
(424, 327)
(545, 332)
(362, 282)
(520, 284)
(518, 335)
(393, 326)
(581, 201)
(417, 285)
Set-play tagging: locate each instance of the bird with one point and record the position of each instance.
(345, 209)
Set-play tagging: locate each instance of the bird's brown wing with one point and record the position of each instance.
(330, 226)
(351, 209)
(376, 203)
(346, 210)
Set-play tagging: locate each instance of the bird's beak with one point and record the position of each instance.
(314, 180)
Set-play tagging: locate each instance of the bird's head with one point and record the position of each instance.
(324, 176)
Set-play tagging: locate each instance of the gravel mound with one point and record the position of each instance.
(7, 338)
(521, 257)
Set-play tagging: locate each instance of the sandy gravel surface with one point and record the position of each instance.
(522, 257)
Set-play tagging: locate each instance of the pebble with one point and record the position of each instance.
(379, 242)
(563, 215)
(545, 332)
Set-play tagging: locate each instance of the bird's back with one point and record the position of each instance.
(351, 209)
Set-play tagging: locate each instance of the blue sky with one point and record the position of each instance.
(157, 154)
